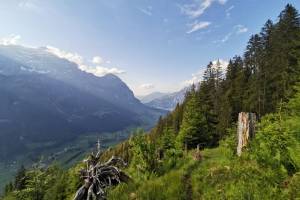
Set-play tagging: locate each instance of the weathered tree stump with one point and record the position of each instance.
(99, 176)
(197, 154)
(246, 130)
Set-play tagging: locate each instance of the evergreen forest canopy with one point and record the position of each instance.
(265, 81)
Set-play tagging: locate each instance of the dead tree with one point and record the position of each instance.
(99, 176)
(246, 130)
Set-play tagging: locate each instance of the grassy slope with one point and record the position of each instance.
(178, 183)
(216, 176)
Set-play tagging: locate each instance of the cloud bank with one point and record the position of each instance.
(10, 40)
(98, 60)
(97, 70)
(146, 86)
(101, 71)
(30, 5)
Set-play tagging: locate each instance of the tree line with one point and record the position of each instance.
(259, 81)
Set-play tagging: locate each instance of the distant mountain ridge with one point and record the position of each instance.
(152, 96)
(48, 99)
(166, 101)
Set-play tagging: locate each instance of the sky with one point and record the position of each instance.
(158, 45)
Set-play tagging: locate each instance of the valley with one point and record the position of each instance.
(96, 126)
(66, 154)
(49, 108)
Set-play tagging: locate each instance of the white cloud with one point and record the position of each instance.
(10, 40)
(198, 26)
(224, 39)
(73, 57)
(29, 5)
(237, 30)
(197, 8)
(227, 37)
(101, 71)
(222, 1)
(198, 76)
(98, 60)
(240, 29)
(146, 86)
(97, 70)
(77, 59)
(147, 11)
(228, 11)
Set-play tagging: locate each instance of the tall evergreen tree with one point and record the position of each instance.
(177, 118)
(194, 128)
(20, 179)
(284, 57)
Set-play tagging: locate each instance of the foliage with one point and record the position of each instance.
(51, 183)
(263, 81)
(144, 154)
(169, 186)
(236, 180)
(194, 128)
(258, 82)
(275, 146)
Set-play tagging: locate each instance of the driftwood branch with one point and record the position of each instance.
(99, 176)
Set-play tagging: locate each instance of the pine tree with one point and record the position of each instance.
(253, 62)
(265, 34)
(284, 68)
(177, 118)
(194, 128)
(8, 188)
(20, 179)
(236, 79)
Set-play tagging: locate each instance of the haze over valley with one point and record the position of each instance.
(149, 100)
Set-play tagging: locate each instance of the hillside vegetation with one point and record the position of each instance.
(164, 163)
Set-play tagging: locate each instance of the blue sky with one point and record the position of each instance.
(156, 45)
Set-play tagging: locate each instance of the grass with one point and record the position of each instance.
(216, 176)
(222, 177)
(171, 185)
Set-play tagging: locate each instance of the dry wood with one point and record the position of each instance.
(246, 130)
(99, 176)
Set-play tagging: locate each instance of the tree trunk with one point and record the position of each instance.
(246, 130)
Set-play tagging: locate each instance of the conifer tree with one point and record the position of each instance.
(20, 179)
(194, 128)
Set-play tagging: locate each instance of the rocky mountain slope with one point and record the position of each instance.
(46, 99)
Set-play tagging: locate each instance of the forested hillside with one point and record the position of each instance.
(164, 163)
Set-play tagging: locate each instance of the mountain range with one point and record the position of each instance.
(45, 99)
(165, 101)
